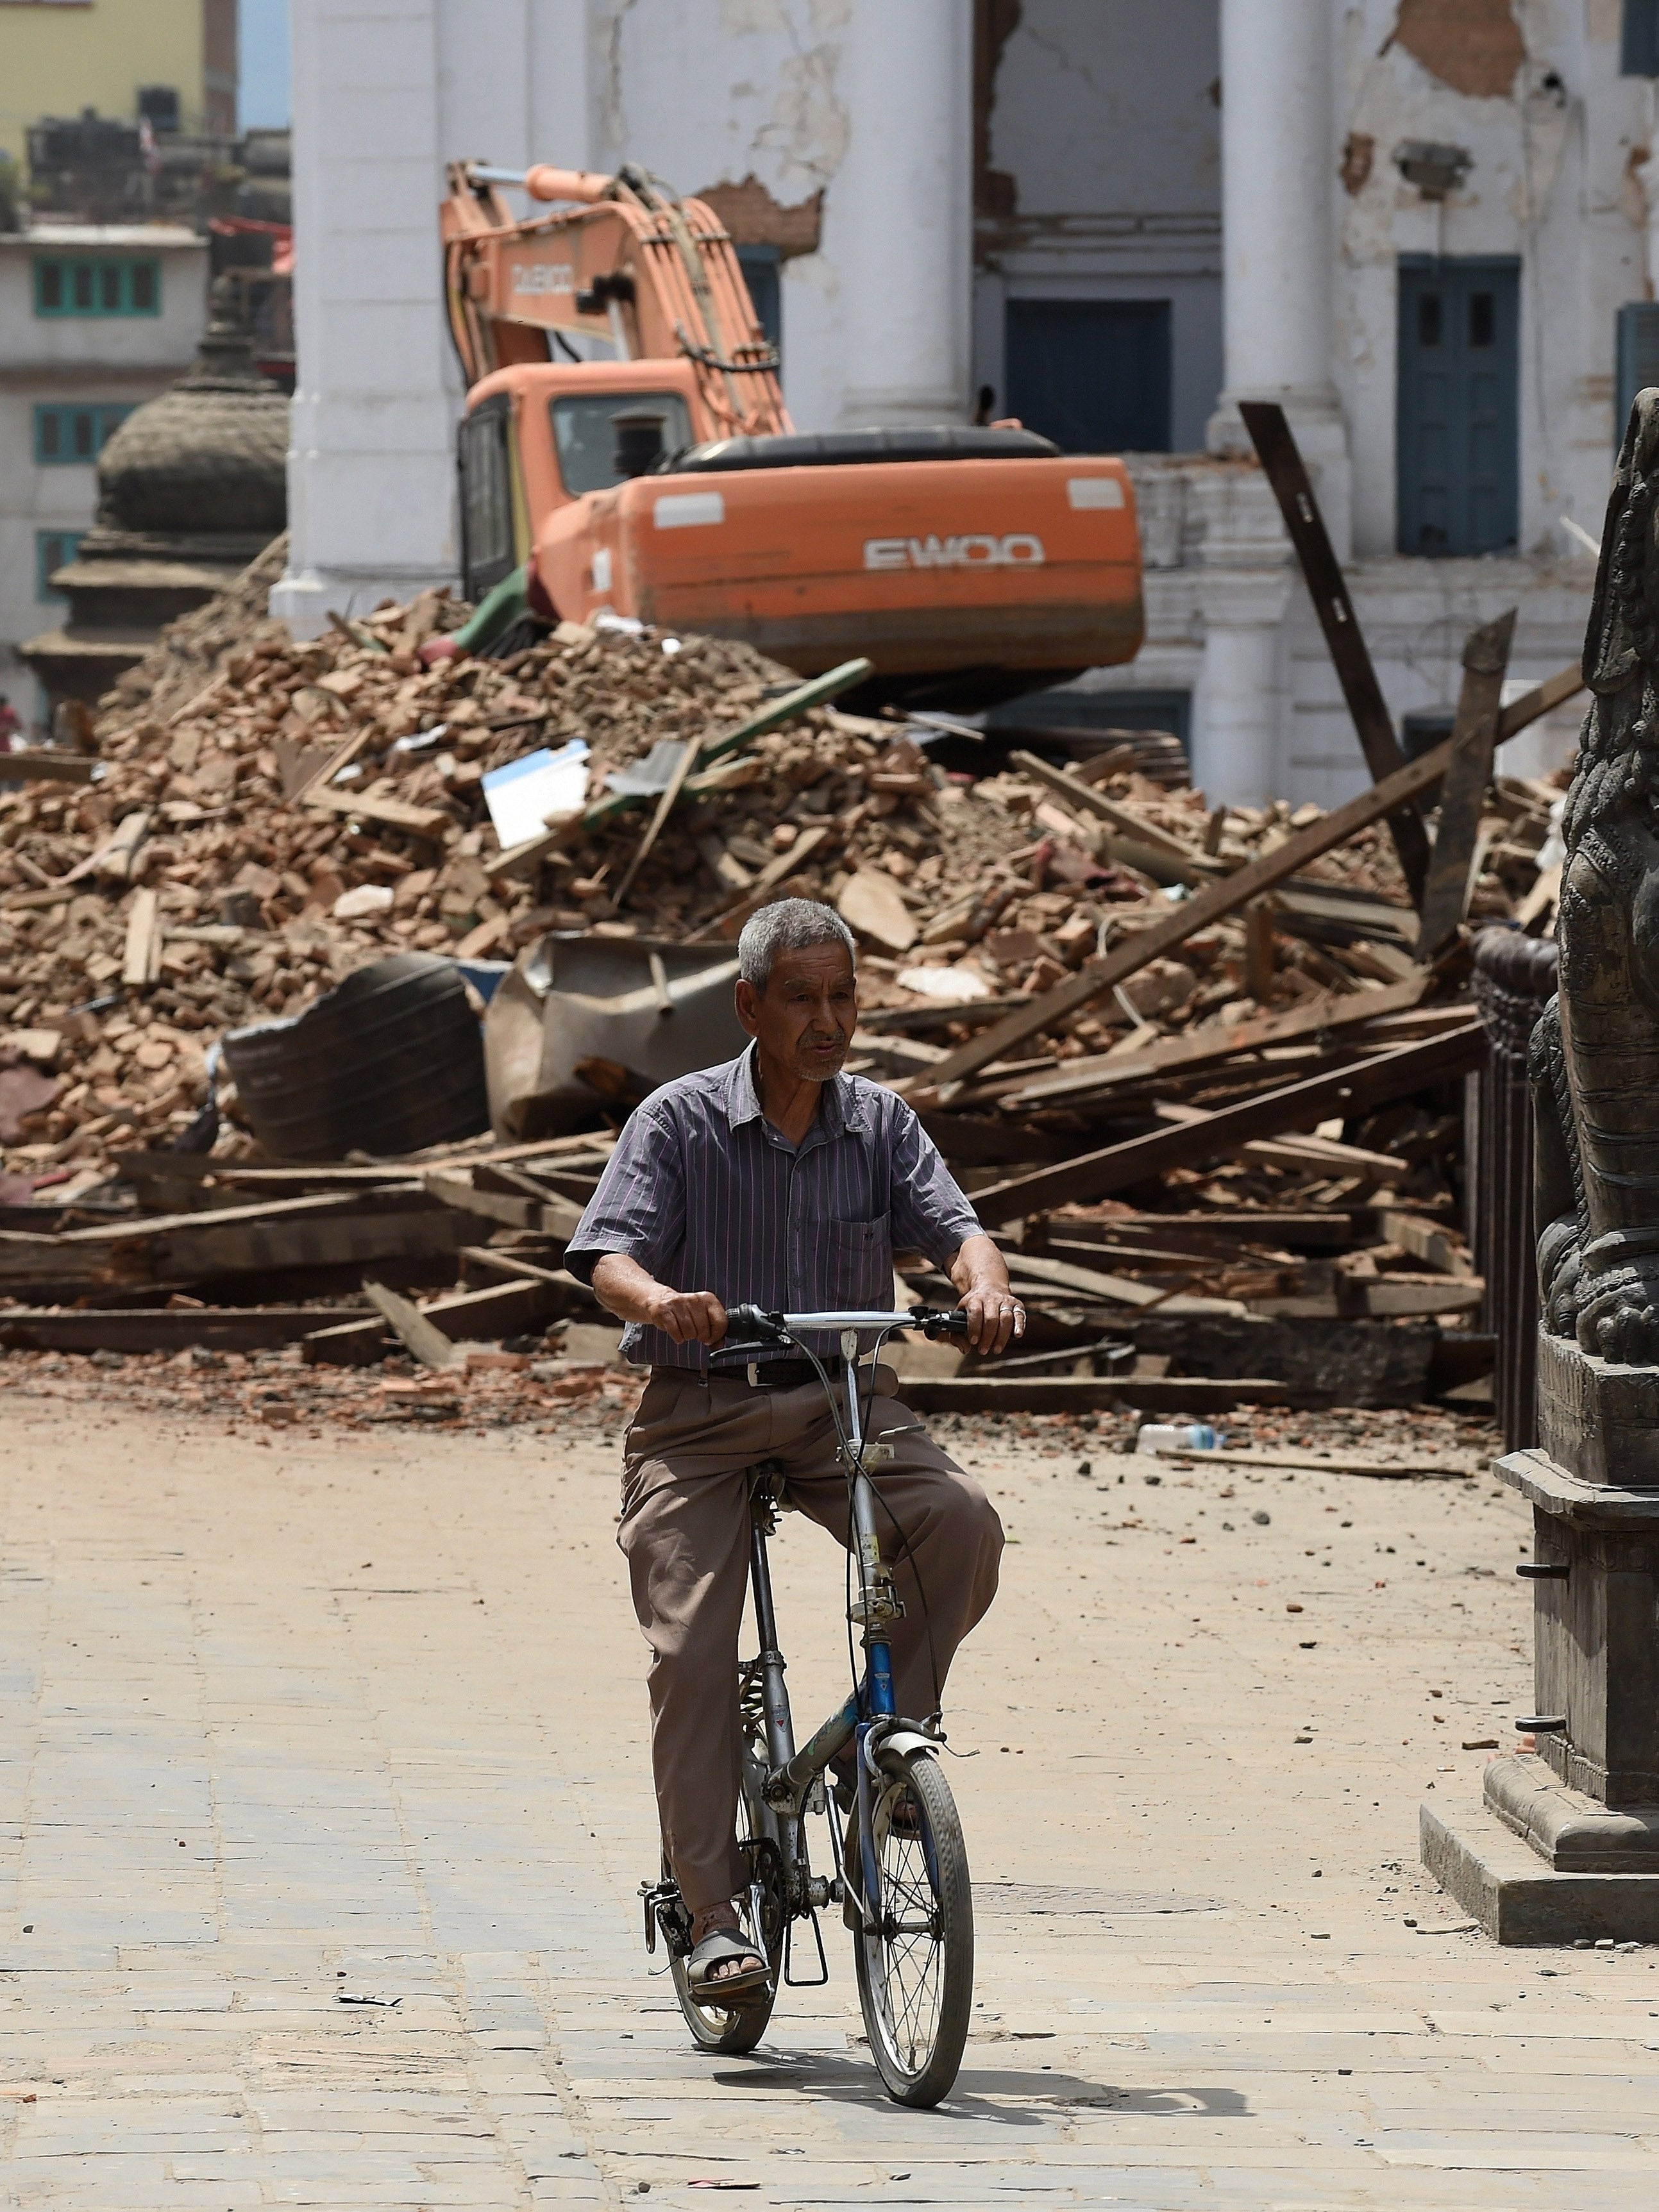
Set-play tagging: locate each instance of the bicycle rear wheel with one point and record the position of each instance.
(730, 2032)
(916, 1967)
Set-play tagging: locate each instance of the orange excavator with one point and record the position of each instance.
(666, 483)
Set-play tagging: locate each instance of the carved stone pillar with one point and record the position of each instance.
(1565, 1843)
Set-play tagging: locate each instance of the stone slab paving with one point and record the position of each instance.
(324, 1801)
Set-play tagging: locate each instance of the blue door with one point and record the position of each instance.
(1092, 374)
(1459, 441)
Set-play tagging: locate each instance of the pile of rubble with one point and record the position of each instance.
(1189, 1060)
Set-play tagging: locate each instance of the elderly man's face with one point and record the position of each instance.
(803, 1019)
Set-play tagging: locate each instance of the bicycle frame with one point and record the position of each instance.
(870, 1714)
(869, 1719)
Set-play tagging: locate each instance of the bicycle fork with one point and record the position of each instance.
(781, 1735)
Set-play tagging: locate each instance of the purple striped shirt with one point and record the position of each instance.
(707, 1195)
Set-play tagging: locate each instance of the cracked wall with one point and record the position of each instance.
(744, 103)
(1533, 93)
(1099, 169)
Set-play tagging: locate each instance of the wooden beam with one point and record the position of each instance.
(1213, 1040)
(1084, 796)
(549, 1212)
(501, 1310)
(1084, 1394)
(1543, 699)
(422, 1339)
(337, 1175)
(1115, 1289)
(42, 767)
(1328, 1152)
(1225, 897)
(1282, 465)
(1392, 1074)
(141, 963)
(1187, 918)
(727, 924)
(683, 767)
(164, 1329)
(428, 822)
(1220, 1232)
(174, 1250)
(1473, 740)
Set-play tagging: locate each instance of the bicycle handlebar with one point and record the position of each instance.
(772, 1329)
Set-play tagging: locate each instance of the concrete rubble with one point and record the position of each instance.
(1230, 1177)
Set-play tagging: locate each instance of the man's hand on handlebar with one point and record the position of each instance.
(996, 1318)
(690, 1317)
(624, 1288)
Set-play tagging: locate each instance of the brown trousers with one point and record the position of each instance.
(684, 1531)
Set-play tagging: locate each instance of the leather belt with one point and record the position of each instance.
(771, 1374)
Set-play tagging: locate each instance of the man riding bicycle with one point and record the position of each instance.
(778, 1182)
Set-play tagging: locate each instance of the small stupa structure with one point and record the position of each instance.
(191, 487)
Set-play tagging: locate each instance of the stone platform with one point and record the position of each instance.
(1513, 1892)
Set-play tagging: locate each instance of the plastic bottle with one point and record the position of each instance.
(1155, 1437)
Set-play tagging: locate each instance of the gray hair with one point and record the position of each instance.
(788, 926)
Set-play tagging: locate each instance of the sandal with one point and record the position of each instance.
(723, 1946)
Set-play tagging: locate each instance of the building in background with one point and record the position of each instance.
(95, 319)
(191, 487)
(1429, 228)
(170, 63)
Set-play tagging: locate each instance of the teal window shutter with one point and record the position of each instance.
(1459, 440)
(73, 285)
(73, 437)
(54, 549)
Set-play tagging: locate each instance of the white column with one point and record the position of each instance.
(371, 488)
(1278, 239)
(1244, 590)
(385, 92)
(899, 223)
(1235, 739)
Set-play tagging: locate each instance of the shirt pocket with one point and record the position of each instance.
(858, 1263)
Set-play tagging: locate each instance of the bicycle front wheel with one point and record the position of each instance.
(915, 1964)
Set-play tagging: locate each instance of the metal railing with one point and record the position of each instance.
(1513, 982)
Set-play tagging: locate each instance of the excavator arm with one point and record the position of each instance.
(621, 259)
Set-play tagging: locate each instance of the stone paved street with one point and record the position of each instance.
(324, 1800)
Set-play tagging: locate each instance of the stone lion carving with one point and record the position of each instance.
(1594, 1055)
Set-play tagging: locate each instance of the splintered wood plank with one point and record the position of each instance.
(665, 804)
(164, 1329)
(417, 1335)
(777, 872)
(1473, 740)
(1230, 893)
(40, 767)
(1282, 465)
(429, 821)
(141, 960)
(500, 1309)
(1068, 786)
(1084, 1394)
(1188, 1143)
(1215, 1041)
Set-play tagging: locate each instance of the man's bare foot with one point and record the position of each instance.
(725, 1917)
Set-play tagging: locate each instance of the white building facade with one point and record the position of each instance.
(1426, 227)
(95, 319)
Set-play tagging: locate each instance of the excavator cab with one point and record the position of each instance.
(667, 483)
(488, 463)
